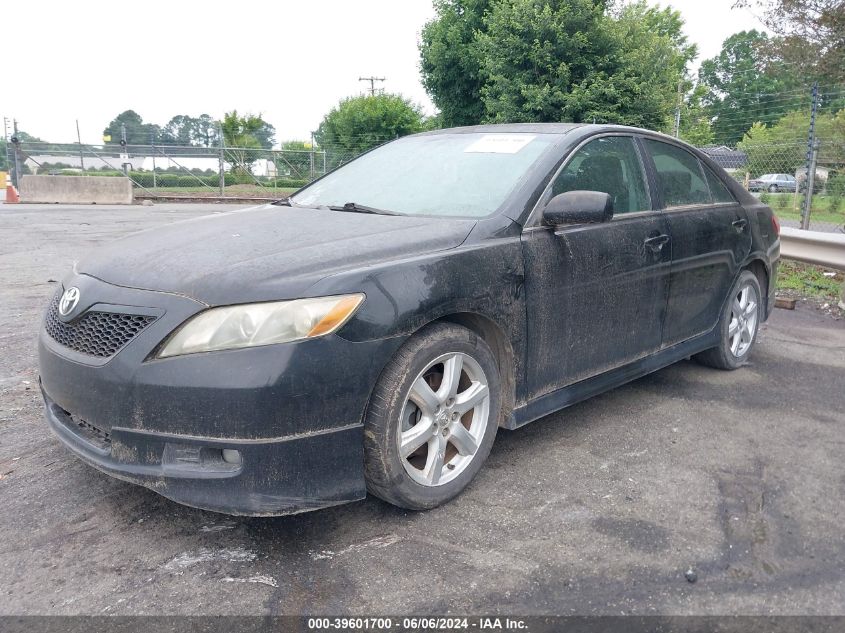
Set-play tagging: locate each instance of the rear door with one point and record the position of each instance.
(595, 293)
(710, 239)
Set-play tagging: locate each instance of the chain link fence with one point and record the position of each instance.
(184, 171)
(777, 173)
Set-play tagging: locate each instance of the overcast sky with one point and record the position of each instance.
(289, 61)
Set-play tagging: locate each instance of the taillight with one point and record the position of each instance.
(776, 224)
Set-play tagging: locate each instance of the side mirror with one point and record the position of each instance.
(574, 207)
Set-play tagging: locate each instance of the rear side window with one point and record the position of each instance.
(679, 175)
(718, 191)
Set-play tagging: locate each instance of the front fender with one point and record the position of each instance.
(484, 278)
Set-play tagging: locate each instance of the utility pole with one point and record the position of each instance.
(372, 81)
(124, 153)
(678, 108)
(16, 175)
(79, 140)
(6, 147)
(221, 159)
(153, 147)
(311, 157)
(812, 157)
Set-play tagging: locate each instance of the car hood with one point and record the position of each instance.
(265, 253)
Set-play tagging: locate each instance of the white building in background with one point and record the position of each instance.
(260, 167)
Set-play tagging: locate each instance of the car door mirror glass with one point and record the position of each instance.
(573, 207)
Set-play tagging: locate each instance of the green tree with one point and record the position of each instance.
(295, 159)
(249, 130)
(744, 85)
(695, 126)
(206, 131)
(244, 136)
(651, 63)
(782, 147)
(450, 60)
(561, 60)
(810, 35)
(177, 131)
(184, 129)
(137, 132)
(357, 124)
(25, 137)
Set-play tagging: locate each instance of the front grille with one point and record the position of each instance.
(100, 334)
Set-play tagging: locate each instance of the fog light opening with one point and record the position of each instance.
(231, 456)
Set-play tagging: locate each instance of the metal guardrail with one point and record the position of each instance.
(813, 247)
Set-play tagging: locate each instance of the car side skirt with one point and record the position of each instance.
(584, 389)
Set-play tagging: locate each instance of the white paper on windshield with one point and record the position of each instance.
(500, 143)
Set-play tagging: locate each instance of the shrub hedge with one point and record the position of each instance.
(145, 179)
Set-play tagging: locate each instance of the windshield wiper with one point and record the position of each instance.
(354, 207)
(284, 202)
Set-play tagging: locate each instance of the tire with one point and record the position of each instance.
(417, 482)
(729, 354)
(773, 188)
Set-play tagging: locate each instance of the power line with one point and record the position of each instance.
(372, 81)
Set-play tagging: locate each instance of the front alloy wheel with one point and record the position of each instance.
(432, 417)
(444, 419)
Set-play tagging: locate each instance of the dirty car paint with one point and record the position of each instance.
(569, 311)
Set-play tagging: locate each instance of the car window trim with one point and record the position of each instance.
(693, 207)
(535, 217)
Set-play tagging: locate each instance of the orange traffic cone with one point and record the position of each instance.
(12, 195)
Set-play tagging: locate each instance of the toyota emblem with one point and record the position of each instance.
(68, 301)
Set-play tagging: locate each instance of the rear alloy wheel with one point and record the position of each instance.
(432, 418)
(738, 326)
(742, 326)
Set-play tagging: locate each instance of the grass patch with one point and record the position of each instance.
(808, 280)
(827, 209)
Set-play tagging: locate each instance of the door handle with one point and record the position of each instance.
(657, 242)
(739, 225)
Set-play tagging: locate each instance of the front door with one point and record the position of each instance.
(596, 293)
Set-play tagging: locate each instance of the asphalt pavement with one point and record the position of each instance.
(602, 508)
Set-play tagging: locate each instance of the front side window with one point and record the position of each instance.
(611, 165)
(678, 175)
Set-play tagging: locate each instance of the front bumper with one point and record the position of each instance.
(278, 476)
(293, 412)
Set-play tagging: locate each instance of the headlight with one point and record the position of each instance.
(255, 324)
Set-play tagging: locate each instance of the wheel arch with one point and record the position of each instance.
(761, 270)
(496, 339)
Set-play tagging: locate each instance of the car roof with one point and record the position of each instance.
(539, 128)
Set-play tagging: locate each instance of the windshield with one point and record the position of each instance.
(457, 175)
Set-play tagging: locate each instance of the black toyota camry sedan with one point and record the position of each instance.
(373, 331)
